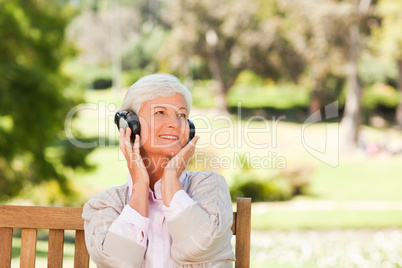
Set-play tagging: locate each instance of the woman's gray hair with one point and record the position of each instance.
(154, 86)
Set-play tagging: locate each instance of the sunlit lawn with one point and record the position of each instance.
(330, 219)
(362, 179)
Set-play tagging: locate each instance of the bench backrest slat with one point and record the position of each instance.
(55, 248)
(41, 217)
(6, 238)
(242, 223)
(81, 256)
(28, 247)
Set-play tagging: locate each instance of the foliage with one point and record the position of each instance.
(228, 37)
(86, 75)
(317, 31)
(275, 96)
(35, 96)
(275, 189)
(380, 95)
(387, 37)
(129, 77)
(276, 185)
(139, 54)
(92, 33)
(203, 94)
(375, 69)
(387, 42)
(279, 188)
(129, 30)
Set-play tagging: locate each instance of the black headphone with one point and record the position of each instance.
(130, 119)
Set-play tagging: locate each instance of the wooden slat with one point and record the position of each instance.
(41, 217)
(243, 232)
(234, 223)
(28, 248)
(55, 250)
(81, 256)
(6, 239)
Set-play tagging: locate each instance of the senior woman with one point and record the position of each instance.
(164, 216)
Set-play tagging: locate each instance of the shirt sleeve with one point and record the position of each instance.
(202, 233)
(179, 203)
(107, 249)
(131, 225)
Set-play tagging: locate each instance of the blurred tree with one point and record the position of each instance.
(352, 117)
(125, 34)
(148, 10)
(34, 99)
(230, 36)
(387, 41)
(91, 31)
(317, 30)
(330, 35)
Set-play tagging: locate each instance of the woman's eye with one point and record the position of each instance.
(159, 112)
(182, 115)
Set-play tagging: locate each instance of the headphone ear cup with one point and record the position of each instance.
(129, 119)
(191, 130)
(134, 123)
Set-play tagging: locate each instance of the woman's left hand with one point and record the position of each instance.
(174, 168)
(179, 162)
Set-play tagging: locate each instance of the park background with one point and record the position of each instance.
(320, 82)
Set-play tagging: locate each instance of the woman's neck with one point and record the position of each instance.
(155, 168)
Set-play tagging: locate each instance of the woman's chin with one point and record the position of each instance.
(168, 151)
(165, 150)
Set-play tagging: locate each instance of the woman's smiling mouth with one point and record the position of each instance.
(169, 137)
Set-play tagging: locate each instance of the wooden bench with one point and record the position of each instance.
(58, 219)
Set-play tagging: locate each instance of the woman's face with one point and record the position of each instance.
(164, 127)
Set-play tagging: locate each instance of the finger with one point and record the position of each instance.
(136, 146)
(194, 140)
(127, 139)
(184, 156)
(135, 157)
(137, 142)
(122, 141)
(190, 147)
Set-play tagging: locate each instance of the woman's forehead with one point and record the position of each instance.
(175, 102)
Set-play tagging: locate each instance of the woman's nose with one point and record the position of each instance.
(173, 122)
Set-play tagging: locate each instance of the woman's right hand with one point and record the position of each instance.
(135, 163)
(139, 174)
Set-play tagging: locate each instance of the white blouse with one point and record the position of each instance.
(152, 232)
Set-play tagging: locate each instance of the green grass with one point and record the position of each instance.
(339, 219)
(111, 171)
(95, 96)
(365, 179)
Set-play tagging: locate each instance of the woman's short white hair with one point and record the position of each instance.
(154, 86)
